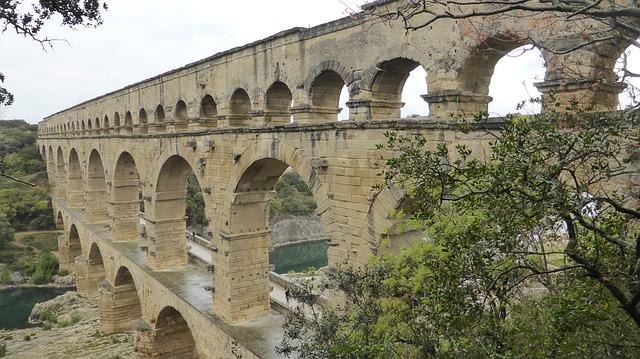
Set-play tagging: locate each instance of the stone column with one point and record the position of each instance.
(164, 341)
(88, 274)
(444, 104)
(241, 272)
(75, 192)
(166, 231)
(119, 307)
(596, 93)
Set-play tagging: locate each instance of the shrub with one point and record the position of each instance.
(47, 267)
(3, 349)
(27, 338)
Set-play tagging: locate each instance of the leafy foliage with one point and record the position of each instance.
(529, 251)
(47, 267)
(195, 210)
(293, 197)
(19, 157)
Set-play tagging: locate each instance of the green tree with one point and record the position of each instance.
(293, 197)
(530, 251)
(47, 267)
(6, 230)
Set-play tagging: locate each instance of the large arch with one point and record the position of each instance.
(277, 104)
(124, 204)
(75, 193)
(171, 338)
(95, 194)
(61, 175)
(119, 303)
(166, 226)
(51, 170)
(90, 272)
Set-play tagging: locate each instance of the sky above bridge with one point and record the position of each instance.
(143, 38)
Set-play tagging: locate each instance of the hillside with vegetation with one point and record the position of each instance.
(24, 206)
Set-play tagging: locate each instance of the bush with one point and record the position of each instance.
(47, 267)
(3, 349)
(27, 338)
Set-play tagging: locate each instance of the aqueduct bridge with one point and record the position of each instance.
(237, 120)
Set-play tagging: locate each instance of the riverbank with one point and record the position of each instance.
(69, 329)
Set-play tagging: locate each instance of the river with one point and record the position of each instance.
(16, 304)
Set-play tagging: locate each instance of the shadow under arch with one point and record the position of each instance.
(119, 303)
(124, 204)
(171, 337)
(61, 175)
(166, 225)
(90, 271)
(75, 189)
(95, 194)
(69, 247)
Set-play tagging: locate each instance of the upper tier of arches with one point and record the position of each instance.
(297, 77)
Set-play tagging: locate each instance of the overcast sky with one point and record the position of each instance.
(143, 38)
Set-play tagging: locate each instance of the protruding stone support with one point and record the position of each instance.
(167, 247)
(365, 110)
(598, 94)
(241, 273)
(75, 194)
(444, 104)
(123, 220)
(88, 274)
(119, 307)
(307, 114)
(95, 206)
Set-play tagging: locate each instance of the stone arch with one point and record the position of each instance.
(324, 88)
(90, 272)
(61, 175)
(181, 114)
(75, 191)
(208, 108)
(83, 125)
(142, 116)
(124, 205)
(69, 247)
(239, 108)
(159, 115)
(171, 337)
(51, 170)
(97, 121)
(167, 229)
(95, 195)
(73, 127)
(106, 121)
(59, 221)
(89, 125)
(128, 122)
(116, 120)
(119, 303)
(253, 180)
(277, 104)
(386, 86)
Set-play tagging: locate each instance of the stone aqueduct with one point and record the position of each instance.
(237, 120)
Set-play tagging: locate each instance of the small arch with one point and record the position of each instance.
(159, 114)
(278, 102)
(106, 121)
(97, 121)
(128, 121)
(142, 115)
(387, 86)
(116, 120)
(89, 124)
(325, 94)
(181, 114)
(83, 125)
(239, 108)
(69, 249)
(208, 107)
(59, 221)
